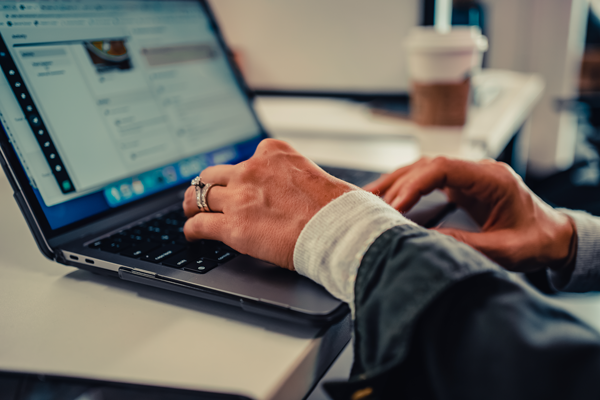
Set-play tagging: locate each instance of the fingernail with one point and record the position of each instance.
(396, 203)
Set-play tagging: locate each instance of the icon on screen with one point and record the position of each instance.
(35, 120)
(169, 174)
(138, 187)
(126, 190)
(114, 192)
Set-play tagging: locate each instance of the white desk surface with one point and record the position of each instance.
(315, 126)
(60, 320)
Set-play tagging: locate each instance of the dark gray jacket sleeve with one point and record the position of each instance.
(437, 320)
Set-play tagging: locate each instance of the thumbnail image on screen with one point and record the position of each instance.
(108, 55)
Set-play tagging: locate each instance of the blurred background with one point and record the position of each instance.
(354, 49)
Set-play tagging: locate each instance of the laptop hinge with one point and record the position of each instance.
(139, 272)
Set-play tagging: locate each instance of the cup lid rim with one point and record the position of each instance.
(428, 39)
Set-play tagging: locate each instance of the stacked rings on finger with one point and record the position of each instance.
(201, 193)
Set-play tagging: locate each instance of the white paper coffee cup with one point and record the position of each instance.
(444, 57)
(440, 67)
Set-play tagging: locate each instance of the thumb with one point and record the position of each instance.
(477, 240)
(493, 245)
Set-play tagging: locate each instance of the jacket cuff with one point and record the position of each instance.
(585, 276)
(331, 246)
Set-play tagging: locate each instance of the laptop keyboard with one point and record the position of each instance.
(161, 241)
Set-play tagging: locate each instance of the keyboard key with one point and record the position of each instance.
(139, 249)
(177, 261)
(188, 255)
(225, 256)
(96, 245)
(201, 266)
(161, 240)
(115, 247)
(163, 253)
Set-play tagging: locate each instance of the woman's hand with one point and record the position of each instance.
(518, 230)
(261, 205)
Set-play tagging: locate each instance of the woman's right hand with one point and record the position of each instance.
(518, 230)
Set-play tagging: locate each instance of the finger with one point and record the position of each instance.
(190, 206)
(216, 198)
(408, 190)
(376, 186)
(471, 238)
(497, 246)
(393, 192)
(383, 183)
(217, 174)
(484, 242)
(440, 173)
(205, 226)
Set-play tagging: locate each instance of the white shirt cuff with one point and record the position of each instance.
(331, 246)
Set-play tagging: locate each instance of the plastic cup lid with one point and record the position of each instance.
(460, 38)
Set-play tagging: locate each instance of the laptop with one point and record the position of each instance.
(108, 110)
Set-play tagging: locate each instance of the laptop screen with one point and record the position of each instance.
(106, 102)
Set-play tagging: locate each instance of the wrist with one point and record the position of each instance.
(566, 248)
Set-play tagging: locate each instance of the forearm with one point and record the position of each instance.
(428, 309)
(403, 272)
(436, 319)
(331, 246)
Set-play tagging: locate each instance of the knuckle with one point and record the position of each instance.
(505, 173)
(193, 225)
(189, 201)
(503, 166)
(207, 170)
(272, 144)
(248, 169)
(440, 162)
(188, 194)
(243, 198)
(188, 229)
(237, 236)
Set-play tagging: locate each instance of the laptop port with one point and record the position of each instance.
(87, 260)
(73, 257)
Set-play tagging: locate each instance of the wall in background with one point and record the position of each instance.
(545, 37)
(327, 45)
(356, 45)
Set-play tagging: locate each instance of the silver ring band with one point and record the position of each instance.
(201, 193)
(203, 203)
